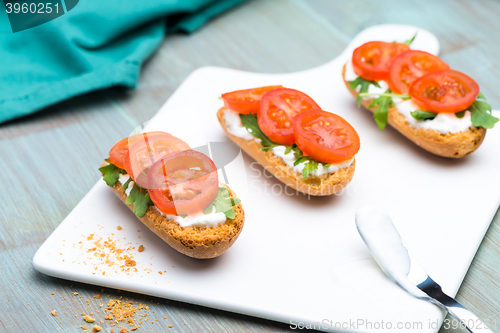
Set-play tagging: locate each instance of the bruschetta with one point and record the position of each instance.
(439, 109)
(175, 192)
(306, 148)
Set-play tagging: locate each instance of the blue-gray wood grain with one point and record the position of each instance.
(48, 160)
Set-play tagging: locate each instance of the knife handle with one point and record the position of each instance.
(468, 319)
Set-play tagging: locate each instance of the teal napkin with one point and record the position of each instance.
(94, 45)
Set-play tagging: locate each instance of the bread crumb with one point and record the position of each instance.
(141, 248)
(75, 293)
(119, 311)
(170, 326)
(88, 319)
(119, 228)
(52, 293)
(112, 330)
(130, 262)
(112, 257)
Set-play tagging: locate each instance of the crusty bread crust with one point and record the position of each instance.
(454, 145)
(195, 242)
(326, 184)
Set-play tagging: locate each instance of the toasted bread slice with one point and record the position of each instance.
(195, 242)
(325, 184)
(454, 145)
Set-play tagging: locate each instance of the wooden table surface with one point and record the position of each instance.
(49, 159)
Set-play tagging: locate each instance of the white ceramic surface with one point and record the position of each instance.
(300, 258)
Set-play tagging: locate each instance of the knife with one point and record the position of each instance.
(392, 255)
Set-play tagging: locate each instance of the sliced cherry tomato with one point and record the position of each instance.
(146, 151)
(183, 182)
(409, 66)
(245, 101)
(325, 136)
(117, 153)
(278, 107)
(372, 60)
(445, 91)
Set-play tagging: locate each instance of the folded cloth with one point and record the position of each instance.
(94, 45)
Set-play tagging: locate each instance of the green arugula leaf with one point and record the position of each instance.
(481, 96)
(296, 152)
(125, 185)
(309, 167)
(381, 113)
(481, 116)
(409, 41)
(140, 198)
(460, 114)
(209, 209)
(300, 160)
(252, 126)
(423, 115)
(386, 94)
(310, 164)
(111, 173)
(365, 84)
(223, 203)
(249, 121)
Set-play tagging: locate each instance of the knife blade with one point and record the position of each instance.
(392, 255)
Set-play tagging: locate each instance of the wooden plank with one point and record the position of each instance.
(49, 160)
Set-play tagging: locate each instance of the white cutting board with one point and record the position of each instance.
(300, 258)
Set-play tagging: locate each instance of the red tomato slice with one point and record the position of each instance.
(146, 151)
(183, 182)
(278, 107)
(409, 66)
(372, 60)
(117, 153)
(245, 101)
(325, 136)
(445, 91)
